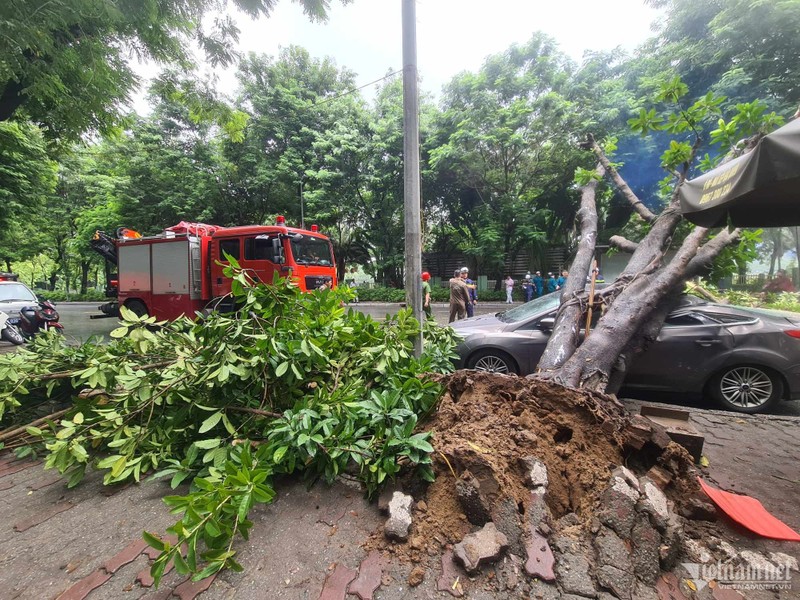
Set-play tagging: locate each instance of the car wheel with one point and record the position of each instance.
(746, 389)
(137, 307)
(492, 361)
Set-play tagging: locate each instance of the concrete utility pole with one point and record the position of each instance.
(411, 195)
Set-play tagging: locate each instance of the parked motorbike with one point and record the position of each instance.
(8, 331)
(42, 317)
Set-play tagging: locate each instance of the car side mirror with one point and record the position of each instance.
(277, 251)
(547, 324)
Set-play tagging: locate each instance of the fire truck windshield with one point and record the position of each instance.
(310, 250)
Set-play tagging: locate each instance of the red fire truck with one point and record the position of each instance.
(179, 271)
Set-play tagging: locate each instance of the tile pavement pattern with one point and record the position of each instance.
(86, 542)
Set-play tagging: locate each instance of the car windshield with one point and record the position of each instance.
(529, 309)
(309, 250)
(16, 291)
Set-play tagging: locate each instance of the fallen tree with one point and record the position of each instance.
(290, 383)
(636, 303)
(295, 383)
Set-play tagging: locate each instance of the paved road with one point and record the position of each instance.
(79, 326)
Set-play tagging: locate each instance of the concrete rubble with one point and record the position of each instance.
(480, 548)
(399, 521)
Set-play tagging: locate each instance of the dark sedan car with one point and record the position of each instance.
(745, 359)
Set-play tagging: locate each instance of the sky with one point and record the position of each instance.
(452, 35)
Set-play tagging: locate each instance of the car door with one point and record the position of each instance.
(678, 359)
(528, 341)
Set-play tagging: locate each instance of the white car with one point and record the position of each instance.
(14, 296)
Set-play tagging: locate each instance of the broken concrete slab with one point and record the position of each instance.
(618, 503)
(507, 519)
(627, 475)
(482, 547)
(537, 512)
(535, 472)
(573, 575)
(618, 581)
(399, 521)
(645, 556)
(654, 503)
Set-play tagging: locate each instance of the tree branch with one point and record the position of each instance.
(621, 184)
(623, 244)
(710, 250)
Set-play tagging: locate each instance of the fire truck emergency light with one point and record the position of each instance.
(314, 228)
(280, 220)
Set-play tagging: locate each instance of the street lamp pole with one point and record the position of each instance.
(411, 191)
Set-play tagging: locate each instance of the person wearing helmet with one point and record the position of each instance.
(473, 293)
(426, 294)
(528, 287)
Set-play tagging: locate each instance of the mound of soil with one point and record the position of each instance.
(488, 425)
(492, 433)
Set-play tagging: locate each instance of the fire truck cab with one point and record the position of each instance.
(180, 271)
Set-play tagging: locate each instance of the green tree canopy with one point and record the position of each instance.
(64, 63)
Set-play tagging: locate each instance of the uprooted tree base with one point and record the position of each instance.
(491, 430)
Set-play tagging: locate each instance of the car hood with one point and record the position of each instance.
(479, 324)
(12, 307)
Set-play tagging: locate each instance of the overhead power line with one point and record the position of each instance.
(348, 92)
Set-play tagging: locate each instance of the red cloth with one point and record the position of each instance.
(193, 228)
(750, 513)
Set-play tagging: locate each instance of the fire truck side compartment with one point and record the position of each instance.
(134, 268)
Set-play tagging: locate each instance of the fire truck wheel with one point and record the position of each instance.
(137, 307)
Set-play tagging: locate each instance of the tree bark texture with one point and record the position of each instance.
(623, 244)
(648, 333)
(592, 363)
(566, 331)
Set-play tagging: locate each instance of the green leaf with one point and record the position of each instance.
(279, 454)
(208, 444)
(212, 528)
(153, 541)
(210, 422)
(280, 371)
(180, 564)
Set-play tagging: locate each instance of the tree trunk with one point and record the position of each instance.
(566, 331)
(592, 363)
(84, 283)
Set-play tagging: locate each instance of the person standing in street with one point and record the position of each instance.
(426, 295)
(473, 292)
(509, 289)
(551, 283)
(459, 296)
(528, 287)
(562, 280)
(538, 283)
